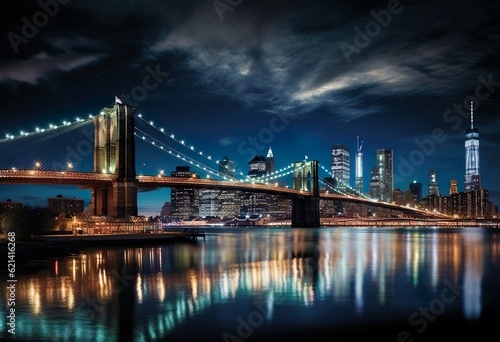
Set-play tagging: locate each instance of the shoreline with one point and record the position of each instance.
(30, 254)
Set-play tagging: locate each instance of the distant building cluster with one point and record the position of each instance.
(56, 205)
(9, 204)
(190, 203)
(472, 203)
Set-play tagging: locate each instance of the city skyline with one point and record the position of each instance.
(280, 75)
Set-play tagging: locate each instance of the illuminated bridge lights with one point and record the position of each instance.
(39, 130)
(91, 179)
(158, 144)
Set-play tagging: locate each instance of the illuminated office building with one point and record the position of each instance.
(184, 201)
(226, 167)
(229, 200)
(359, 168)
(374, 191)
(385, 169)
(453, 187)
(416, 190)
(472, 178)
(270, 161)
(433, 184)
(341, 165)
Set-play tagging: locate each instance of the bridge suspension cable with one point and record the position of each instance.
(179, 155)
(287, 170)
(182, 142)
(341, 188)
(50, 127)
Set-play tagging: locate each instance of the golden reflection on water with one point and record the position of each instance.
(297, 266)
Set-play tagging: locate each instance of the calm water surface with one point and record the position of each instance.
(259, 284)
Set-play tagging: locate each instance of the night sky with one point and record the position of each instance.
(236, 77)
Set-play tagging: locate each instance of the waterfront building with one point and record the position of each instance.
(341, 165)
(385, 169)
(209, 205)
(472, 178)
(184, 201)
(470, 204)
(9, 204)
(69, 206)
(433, 184)
(478, 205)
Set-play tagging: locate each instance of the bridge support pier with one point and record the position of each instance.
(305, 209)
(305, 212)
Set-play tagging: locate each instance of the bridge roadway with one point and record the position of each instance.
(88, 180)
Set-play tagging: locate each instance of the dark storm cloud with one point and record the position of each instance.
(42, 66)
(293, 63)
(265, 58)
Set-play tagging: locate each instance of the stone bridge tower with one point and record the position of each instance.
(305, 209)
(114, 153)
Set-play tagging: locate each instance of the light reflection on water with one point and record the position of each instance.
(294, 278)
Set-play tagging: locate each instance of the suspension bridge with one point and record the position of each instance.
(114, 184)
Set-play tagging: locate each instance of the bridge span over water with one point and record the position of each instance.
(92, 180)
(114, 184)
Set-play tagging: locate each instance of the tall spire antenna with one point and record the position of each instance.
(358, 143)
(472, 115)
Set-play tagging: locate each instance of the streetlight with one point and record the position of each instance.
(37, 165)
(70, 166)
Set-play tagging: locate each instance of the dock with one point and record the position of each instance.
(120, 239)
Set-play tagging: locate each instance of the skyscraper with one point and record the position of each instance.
(453, 187)
(416, 191)
(255, 203)
(385, 168)
(359, 168)
(270, 161)
(229, 200)
(433, 184)
(257, 166)
(472, 178)
(341, 165)
(226, 167)
(184, 201)
(374, 191)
